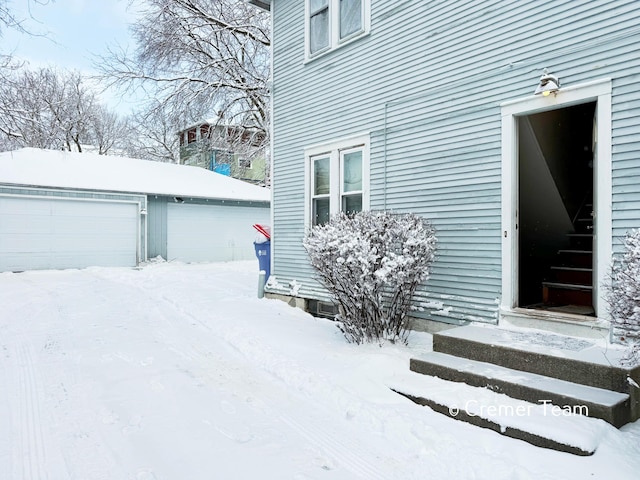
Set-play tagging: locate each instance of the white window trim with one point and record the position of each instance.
(332, 150)
(334, 29)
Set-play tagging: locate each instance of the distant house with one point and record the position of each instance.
(530, 176)
(229, 150)
(73, 210)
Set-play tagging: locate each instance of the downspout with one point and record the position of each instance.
(384, 157)
(271, 158)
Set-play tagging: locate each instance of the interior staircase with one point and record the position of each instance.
(512, 381)
(569, 281)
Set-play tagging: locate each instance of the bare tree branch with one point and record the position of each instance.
(47, 108)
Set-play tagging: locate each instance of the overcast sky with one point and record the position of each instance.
(67, 33)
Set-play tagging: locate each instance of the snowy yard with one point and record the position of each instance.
(178, 372)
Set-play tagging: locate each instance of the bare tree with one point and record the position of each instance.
(152, 136)
(108, 131)
(199, 53)
(8, 64)
(47, 108)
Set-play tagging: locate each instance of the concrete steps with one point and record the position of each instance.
(542, 425)
(547, 371)
(613, 407)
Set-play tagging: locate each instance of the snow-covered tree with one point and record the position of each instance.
(623, 295)
(107, 130)
(56, 109)
(8, 64)
(372, 263)
(195, 54)
(152, 135)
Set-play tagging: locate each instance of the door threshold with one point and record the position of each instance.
(564, 323)
(576, 310)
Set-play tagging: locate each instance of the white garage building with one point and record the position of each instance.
(74, 210)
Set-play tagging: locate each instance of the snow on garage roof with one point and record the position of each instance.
(90, 171)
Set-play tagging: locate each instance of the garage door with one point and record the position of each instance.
(46, 233)
(207, 233)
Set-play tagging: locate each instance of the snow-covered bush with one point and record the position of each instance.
(372, 263)
(623, 295)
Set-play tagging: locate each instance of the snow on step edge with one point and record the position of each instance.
(544, 419)
(533, 380)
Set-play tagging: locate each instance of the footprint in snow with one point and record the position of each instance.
(146, 475)
(108, 417)
(134, 425)
(227, 407)
(146, 362)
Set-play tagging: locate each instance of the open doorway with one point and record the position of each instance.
(555, 209)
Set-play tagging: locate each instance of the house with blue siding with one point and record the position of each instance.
(430, 107)
(515, 129)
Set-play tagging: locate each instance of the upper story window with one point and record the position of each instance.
(338, 179)
(244, 163)
(330, 23)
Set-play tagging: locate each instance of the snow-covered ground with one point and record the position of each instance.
(179, 372)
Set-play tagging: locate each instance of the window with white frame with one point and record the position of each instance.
(338, 177)
(331, 23)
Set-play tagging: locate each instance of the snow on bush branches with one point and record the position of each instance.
(372, 263)
(623, 295)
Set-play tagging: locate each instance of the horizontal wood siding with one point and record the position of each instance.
(427, 84)
(626, 156)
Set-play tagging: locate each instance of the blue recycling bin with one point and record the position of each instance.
(263, 252)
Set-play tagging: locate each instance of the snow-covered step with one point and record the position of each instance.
(608, 405)
(541, 424)
(576, 360)
(573, 359)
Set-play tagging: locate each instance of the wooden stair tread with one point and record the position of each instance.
(567, 286)
(572, 269)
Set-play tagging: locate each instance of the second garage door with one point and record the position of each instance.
(53, 233)
(212, 233)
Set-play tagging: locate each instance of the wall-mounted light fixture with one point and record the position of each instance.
(548, 84)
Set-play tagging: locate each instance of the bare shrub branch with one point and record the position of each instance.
(372, 263)
(623, 296)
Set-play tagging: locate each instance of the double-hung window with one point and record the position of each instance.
(338, 179)
(330, 23)
(318, 25)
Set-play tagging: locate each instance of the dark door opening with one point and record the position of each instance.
(555, 209)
